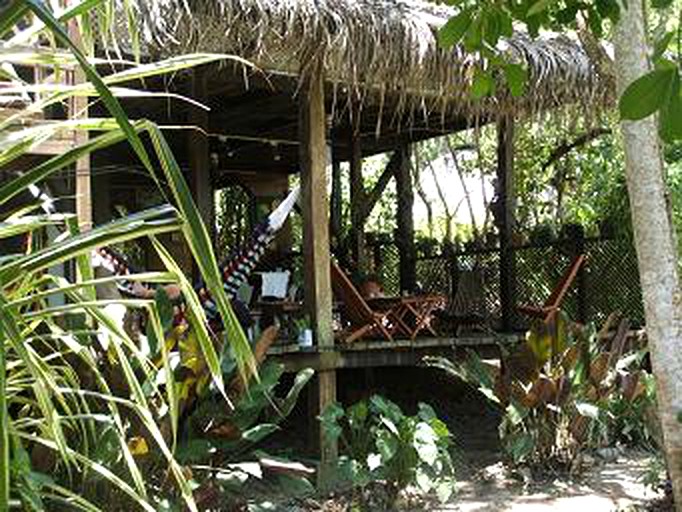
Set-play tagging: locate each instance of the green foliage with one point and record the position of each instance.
(233, 433)
(381, 443)
(563, 390)
(99, 417)
(228, 441)
(480, 25)
(657, 91)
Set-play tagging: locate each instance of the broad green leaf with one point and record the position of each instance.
(425, 443)
(483, 84)
(516, 413)
(568, 15)
(670, 118)
(473, 37)
(491, 27)
(506, 24)
(453, 31)
(539, 6)
(290, 400)
(329, 420)
(608, 9)
(259, 432)
(647, 94)
(661, 4)
(594, 21)
(661, 45)
(516, 76)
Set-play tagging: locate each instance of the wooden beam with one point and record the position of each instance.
(405, 220)
(315, 207)
(78, 107)
(357, 200)
(198, 152)
(372, 197)
(337, 200)
(506, 220)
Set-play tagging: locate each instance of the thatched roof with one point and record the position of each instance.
(387, 47)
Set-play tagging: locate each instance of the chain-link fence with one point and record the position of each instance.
(608, 282)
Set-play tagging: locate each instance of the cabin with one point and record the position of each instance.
(304, 86)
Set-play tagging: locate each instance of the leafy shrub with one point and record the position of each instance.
(224, 434)
(80, 419)
(565, 388)
(381, 443)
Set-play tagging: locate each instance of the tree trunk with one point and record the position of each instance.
(654, 241)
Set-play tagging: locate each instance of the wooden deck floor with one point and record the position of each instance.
(368, 354)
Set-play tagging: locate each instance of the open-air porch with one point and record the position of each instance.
(319, 98)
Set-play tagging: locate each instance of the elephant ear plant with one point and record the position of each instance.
(558, 390)
(68, 440)
(382, 444)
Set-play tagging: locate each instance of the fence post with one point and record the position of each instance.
(377, 256)
(453, 268)
(576, 239)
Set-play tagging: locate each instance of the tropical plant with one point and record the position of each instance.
(644, 90)
(70, 436)
(216, 439)
(381, 443)
(562, 390)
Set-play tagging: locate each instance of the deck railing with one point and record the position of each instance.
(608, 282)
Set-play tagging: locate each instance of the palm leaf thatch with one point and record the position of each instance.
(384, 48)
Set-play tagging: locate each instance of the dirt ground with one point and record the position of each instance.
(608, 486)
(612, 483)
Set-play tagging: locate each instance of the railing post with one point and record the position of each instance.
(453, 268)
(576, 239)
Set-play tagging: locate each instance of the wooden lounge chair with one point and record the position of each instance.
(364, 321)
(547, 311)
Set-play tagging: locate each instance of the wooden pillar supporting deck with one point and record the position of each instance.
(78, 107)
(405, 221)
(506, 220)
(198, 154)
(336, 200)
(357, 202)
(315, 207)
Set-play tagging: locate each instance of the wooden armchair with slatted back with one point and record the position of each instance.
(548, 310)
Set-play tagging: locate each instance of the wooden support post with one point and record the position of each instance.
(78, 107)
(576, 239)
(506, 220)
(337, 200)
(198, 152)
(315, 207)
(357, 205)
(405, 222)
